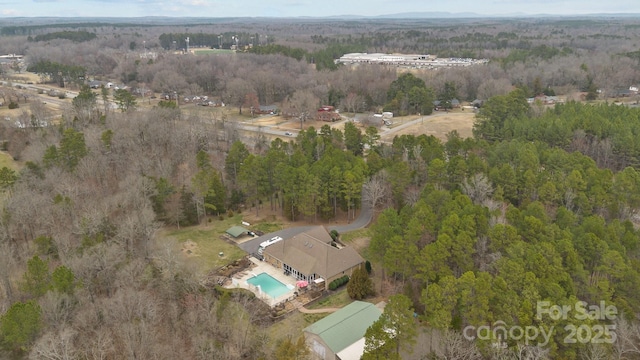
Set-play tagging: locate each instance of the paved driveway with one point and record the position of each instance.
(251, 246)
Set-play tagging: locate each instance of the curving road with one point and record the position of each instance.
(363, 219)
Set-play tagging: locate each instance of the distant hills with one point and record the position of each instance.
(168, 20)
(459, 15)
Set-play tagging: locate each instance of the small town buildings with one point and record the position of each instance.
(341, 334)
(313, 256)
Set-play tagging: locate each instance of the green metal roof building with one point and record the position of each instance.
(236, 231)
(334, 333)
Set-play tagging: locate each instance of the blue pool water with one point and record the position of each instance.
(268, 285)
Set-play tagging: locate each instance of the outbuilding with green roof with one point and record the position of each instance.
(236, 231)
(336, 332)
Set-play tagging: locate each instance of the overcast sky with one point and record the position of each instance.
(289, 8)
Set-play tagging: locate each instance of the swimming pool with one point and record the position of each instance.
(269, 285)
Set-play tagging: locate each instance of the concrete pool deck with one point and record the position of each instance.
(239, 280)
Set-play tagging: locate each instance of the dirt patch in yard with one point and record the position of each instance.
(189, 248)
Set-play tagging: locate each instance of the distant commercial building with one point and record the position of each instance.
(411, 60)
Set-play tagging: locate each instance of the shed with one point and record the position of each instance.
(236, 231)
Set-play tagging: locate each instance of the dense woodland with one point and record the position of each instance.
(542, 204)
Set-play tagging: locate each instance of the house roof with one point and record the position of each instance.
(311, 252)
(345, 326)
(268, 107)
(236, 231)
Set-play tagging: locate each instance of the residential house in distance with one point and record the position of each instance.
(268, 109)
(341, 334)
(313, 256)
(327, 113)
(95, 84)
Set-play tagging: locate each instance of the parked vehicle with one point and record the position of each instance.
(264, 244)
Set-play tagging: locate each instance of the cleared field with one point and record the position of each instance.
(203, 244)
(212, 51)
(438, 125)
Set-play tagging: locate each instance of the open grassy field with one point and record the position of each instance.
(212, 51)
(439, 125)
(202, 244)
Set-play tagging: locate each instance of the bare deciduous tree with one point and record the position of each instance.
(520, 352)
(453, 346)
(595, 352)
(376, 190)
(478, 188)
(56, 345)
(7, 263)
(57, 308)
(627, 344)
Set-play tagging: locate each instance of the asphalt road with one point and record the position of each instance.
(363, 219)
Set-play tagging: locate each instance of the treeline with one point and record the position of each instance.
(14, 30)
(605, 132)
(287, 51)
(75, 36)
(61, 74)
(319, 174)
(410, 95)
(323, 58)
(540, 52)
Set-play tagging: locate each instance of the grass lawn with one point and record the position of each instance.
(268, 227)
(292, 326)
(337, 300)
(360, 233)
(209, 244)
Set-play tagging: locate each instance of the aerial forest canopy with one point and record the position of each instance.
(608, 133)
(526, 215)
(541, 204)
